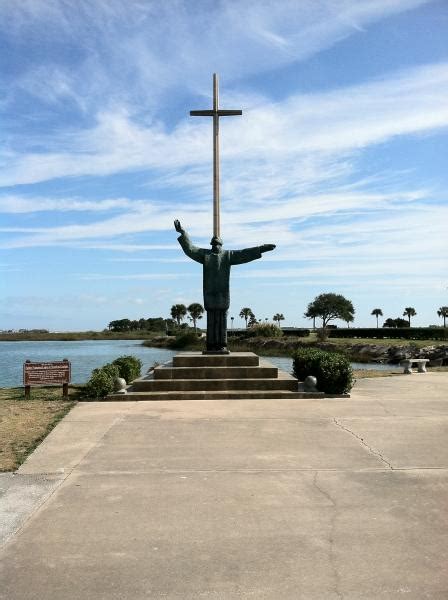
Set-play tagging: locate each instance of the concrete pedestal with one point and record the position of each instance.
(197, 376)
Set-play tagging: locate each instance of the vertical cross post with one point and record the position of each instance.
(216, 198)
(215, 113)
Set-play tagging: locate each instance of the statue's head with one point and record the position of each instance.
(216, 243)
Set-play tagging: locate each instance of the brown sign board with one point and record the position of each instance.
(46, 373)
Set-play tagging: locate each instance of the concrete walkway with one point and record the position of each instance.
(285, 500)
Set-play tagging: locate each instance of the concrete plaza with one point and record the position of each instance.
(258, 499)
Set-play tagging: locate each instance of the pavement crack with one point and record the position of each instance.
(331, 536)
(386, 410)
(373, 451)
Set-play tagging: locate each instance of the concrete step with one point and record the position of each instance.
(209, 372)
(197, 359)
(214, 395)
(167, 385)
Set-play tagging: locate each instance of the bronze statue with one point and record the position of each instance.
(216, 274)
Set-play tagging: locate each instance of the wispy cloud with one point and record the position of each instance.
(122, 55)
(310, 128)
(15, 204)
(98, 153)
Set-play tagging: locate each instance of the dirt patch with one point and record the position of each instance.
(370, 373)
(25, 423)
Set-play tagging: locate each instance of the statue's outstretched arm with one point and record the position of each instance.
(190, 249)
(178, 227)
(238, 257)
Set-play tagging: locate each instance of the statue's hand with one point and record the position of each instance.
(178, 226)
(267, 247)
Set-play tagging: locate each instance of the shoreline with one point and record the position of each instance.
(360, 350)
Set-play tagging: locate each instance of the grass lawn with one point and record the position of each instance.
(25, 423)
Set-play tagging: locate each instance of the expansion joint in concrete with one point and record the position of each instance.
(331, 536)
(376, 453)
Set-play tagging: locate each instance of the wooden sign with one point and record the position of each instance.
(46, 373)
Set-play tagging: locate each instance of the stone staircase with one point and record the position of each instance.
(197, 376)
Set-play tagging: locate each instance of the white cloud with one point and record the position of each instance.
(138, 52)
(274, 139)
(15, 204)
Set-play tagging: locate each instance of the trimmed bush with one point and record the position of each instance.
(333, 371)
(129, 367)
(102, 381)
(295, 332)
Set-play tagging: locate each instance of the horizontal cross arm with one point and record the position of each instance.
(211, 113)
(201, 113)
(229, 113)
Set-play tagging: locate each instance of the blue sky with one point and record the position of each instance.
(339, 157)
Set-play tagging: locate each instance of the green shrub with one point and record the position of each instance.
(323, 334)
(102, 381)
(268, 330)
(333, 372)
(129, 367)
(185, 339)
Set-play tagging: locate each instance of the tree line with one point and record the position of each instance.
(326, 307)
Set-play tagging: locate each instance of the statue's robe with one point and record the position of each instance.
(216, 277)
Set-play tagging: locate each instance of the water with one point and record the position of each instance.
(84, 356)
(87, 355)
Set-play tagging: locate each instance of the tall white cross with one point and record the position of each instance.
(215, 113)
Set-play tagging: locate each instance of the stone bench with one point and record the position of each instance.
(408, 362)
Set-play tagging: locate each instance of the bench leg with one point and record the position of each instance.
(422, 367)
(407, 368)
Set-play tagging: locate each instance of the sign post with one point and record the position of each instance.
(46, 373)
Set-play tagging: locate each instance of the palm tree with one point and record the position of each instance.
(377, 312)
(196, 311)
(252, 320)
(278, 317)
(246, 313)
(349, 319)
(443, 312)
(178, 312)
(409, 312)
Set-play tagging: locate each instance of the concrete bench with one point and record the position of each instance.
(408, 362)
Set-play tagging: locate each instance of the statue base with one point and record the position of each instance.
(216, 352)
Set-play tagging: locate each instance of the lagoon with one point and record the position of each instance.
(86, 355)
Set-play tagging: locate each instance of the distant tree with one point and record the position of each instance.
(349, 319)
(443, 312)
(398, 322)
(329, 307)
(120, 325)
(389, 322)
(246, 313)
(409, 312)
(252, 320)
(311, 313)
(278, 317)
(377, 312)
(178, 312)
(196, 311)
